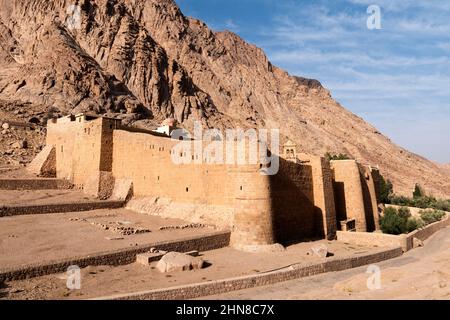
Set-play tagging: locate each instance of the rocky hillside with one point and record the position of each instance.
(143, 60)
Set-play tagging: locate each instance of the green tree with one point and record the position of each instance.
(386, 190)
(418, 191)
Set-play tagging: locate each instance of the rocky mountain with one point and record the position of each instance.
(143, 61)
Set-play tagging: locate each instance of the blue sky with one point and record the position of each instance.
(397, 78)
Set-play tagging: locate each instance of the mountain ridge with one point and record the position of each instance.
(145, 61)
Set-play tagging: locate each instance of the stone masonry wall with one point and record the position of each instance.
(199, 290)
(295, 204)
(208, 242)
(370, 198)
(323, 194)
(348, 189)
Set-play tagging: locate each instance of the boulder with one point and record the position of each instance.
(319, 250)
(147, 258)
(5, 126)
(176, 262)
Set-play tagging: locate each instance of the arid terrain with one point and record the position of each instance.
(422, 273)
(144, 61)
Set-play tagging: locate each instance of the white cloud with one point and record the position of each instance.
(231, 25)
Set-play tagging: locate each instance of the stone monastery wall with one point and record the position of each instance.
(304, 200)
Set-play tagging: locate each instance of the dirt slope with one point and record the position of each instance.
(144, 61)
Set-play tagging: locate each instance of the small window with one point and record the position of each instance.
(242, 188)
(187, 189)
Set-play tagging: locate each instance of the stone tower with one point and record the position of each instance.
(253, 221)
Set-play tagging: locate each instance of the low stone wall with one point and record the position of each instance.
(18, 210)
(371, 239)
(125, 256)
(234, 284)
(425, 233)
(405, 241)
(34, 184)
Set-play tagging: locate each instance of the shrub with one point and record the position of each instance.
(442, 205)
(398, 221)
(414, 224)
(404, 212)
(340, 156)
(431, 216)
(392, 222)
(401, 201)
(424, 202)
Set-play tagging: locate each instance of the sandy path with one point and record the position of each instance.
(423, 273)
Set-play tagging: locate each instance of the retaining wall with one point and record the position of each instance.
(234, 284)
(20, 210)
(425, 233)
(34, 184)
(125, 256)
(405, 241)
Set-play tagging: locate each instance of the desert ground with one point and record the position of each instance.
(423, 273)
(40, 238)
(100, 281)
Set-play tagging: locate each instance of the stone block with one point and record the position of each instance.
(147, 258)
(177, 262)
